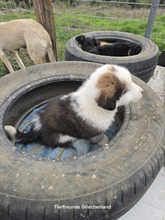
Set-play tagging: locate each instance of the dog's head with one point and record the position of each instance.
(115, 87)
(88, 44)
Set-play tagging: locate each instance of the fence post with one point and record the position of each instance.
(151, 18)
(45, 16)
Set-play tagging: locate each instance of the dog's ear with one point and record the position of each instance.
(80, 39)
(96, 42)
(108, 103)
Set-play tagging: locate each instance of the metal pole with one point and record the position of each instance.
(151, 18)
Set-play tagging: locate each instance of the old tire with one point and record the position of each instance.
(115, 176)
(141, 65)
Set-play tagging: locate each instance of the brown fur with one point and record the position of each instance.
(107, 84)
(111, 90)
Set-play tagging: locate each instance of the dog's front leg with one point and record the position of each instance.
(18, 59)
(6, 61)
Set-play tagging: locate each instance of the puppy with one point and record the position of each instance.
(21, 33)
(119, 48)
(85, 113)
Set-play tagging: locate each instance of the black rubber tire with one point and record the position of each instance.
(141, 65)
(117, 175)
(161, 60)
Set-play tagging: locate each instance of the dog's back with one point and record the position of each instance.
(42, 44)
(11, 32)
(28, 33)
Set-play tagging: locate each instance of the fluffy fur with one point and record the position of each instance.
(22, 33)
(118, 48)
(84, 113)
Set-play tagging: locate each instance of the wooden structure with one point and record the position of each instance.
(45, 16)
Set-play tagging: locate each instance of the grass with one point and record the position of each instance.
(71, 21)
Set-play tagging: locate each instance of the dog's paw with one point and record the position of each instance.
(10, 131)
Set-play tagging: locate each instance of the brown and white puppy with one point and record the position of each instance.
(84, 113)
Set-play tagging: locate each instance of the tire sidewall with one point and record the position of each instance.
(84, 180)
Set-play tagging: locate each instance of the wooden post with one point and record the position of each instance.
(45, 16)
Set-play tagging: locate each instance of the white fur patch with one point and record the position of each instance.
(66, 138)
(133, 94)
(11, 131)
(64, 97)
(37, 123)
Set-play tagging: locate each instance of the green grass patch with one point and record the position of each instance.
(13, 16)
